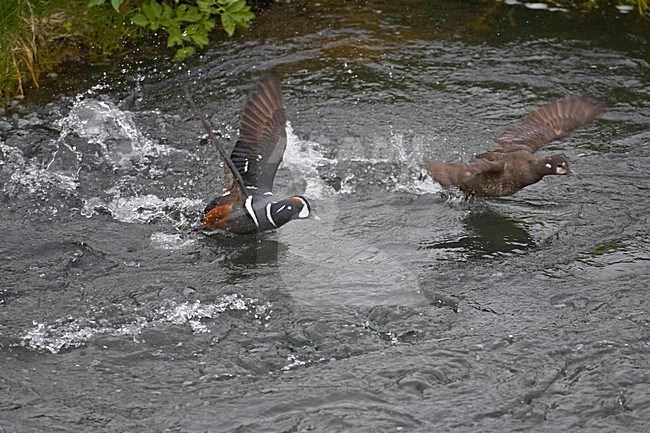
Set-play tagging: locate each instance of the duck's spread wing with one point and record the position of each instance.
(448, 174)
(263, 137)
(234, 184)
(547, 123)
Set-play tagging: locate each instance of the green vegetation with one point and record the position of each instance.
(187, 23)
(37, 35)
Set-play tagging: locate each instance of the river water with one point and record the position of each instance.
(400, 309)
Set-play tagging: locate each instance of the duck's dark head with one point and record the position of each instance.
(303, 204)
(556, 164)
(283, 211)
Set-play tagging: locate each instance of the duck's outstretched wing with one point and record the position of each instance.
(547, 123)
(459, 173)
(235, 187)
(263, 137)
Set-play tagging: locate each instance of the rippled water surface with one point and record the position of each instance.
(400, 310)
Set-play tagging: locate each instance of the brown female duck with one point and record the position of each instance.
(513, 165)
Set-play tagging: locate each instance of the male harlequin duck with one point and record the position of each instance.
(247, 204)
(511, 166)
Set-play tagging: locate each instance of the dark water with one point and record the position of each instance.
(398, 310)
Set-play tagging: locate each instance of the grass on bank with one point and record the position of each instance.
(37, 35)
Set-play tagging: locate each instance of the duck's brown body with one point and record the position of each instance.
(513, 165)
(497, 174)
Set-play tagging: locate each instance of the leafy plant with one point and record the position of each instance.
(186, 22)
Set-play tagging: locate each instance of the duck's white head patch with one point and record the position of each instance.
(306, 210)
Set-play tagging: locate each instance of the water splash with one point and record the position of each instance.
(93, 133)
(126, 150)
(33, 179)
(395, 164)
(305, 158)
(348, 184)
(412, 177)
(102, 123)
(75, 332)
(145, 209)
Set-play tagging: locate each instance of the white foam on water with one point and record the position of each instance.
(293, 362)
(537, 6)
(170, 241)
(71, 332)
(145, 209)
(422, 184)
(348, 184)
(624, 9)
